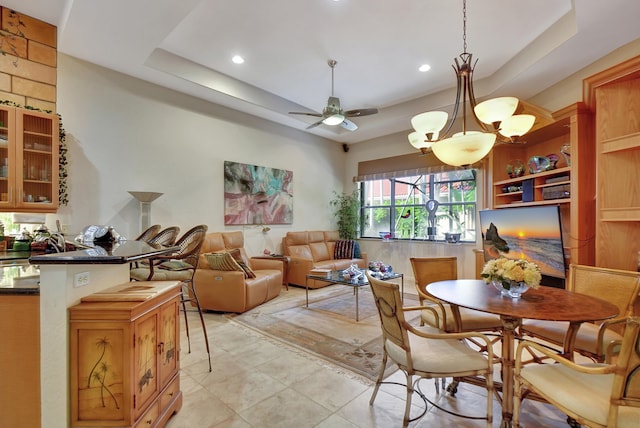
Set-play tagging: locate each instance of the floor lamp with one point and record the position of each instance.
(145, 199)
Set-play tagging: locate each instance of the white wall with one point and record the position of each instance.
(125, 134)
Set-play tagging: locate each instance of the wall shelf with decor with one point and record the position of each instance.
(572, 128)
(541, 182)
(29, 150)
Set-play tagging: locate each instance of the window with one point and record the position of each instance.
(398, 206)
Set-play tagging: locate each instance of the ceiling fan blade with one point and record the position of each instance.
(348, 125)
(360, 112)
(313, 125)
(306, 114)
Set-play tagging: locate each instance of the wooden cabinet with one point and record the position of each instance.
(29, 151)
(124, 353)
(571, 186)
(20, 360)
(613, 95)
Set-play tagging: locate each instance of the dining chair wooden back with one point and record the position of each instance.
(440, 315)
(594, 395)
(149, 233)
(166, 237)
(619, 287)
(423, 351)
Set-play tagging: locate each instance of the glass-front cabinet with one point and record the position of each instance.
(28, 160)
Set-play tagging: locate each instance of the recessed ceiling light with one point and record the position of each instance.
(237, 59)
(424, 68)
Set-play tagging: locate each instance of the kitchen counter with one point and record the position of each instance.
(11, 256)
(19, 279)
(65, 278)
(112, 253)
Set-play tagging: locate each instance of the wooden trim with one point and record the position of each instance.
(626, 70)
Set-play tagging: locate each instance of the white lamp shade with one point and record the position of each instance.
(517, 125)
(464, 148)
(430, 122)
(418, 140)
(335, 119)
(496, 109)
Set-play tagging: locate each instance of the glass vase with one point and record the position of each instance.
(513, 290)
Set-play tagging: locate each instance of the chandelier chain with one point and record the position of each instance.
(464, 26)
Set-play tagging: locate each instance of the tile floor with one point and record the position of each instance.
(259, 382)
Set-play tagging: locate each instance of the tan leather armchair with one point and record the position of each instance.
(232, 291)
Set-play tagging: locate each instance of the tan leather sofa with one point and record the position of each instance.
(230, 291)
(309, 250)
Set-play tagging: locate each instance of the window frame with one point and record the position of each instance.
(432, 183)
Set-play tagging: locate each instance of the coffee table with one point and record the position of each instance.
(336, 277)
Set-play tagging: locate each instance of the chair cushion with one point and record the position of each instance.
(586, 339)
(344, 249)
(142, 273)
(175, 265)
(438, 356)
(471, 320)
(584, 394)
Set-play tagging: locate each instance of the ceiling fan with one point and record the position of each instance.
(333, 114)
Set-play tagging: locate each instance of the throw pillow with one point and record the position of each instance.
(222, 261)
(357, 253)
(343, 249)
(237, 256)
(175, 265)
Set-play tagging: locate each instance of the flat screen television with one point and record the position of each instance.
(532, 233)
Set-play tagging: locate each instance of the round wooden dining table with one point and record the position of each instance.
(544, 303)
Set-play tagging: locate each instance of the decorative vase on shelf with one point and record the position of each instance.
(515, 168)
(566, 152)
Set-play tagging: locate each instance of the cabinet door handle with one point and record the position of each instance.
(161, 348)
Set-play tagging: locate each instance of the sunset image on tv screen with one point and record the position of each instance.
(531, 233)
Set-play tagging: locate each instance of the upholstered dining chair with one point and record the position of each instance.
(149, 233)
(180, 265)
(595, 395)
(440, 315)
(593, 340)
(424, 351)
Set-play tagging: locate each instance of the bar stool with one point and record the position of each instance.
(181, 266)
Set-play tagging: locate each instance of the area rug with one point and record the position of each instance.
(327, 328)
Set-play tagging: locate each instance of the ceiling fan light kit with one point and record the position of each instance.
(335, 119)
(494, 116)
(332, 114)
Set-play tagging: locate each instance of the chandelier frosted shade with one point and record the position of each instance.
(430, 123)
(335, 119)
(464, 148)
(517, 125)
(417, 140)
(496, 110)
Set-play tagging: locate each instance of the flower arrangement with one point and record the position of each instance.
(507, 271)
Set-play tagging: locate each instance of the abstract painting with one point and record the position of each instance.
(257, 194)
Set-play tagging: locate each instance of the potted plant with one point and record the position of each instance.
(346, 208)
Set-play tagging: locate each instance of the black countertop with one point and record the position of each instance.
(19, 279)
(116, 253)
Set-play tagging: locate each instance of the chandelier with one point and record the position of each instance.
(494, 117)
